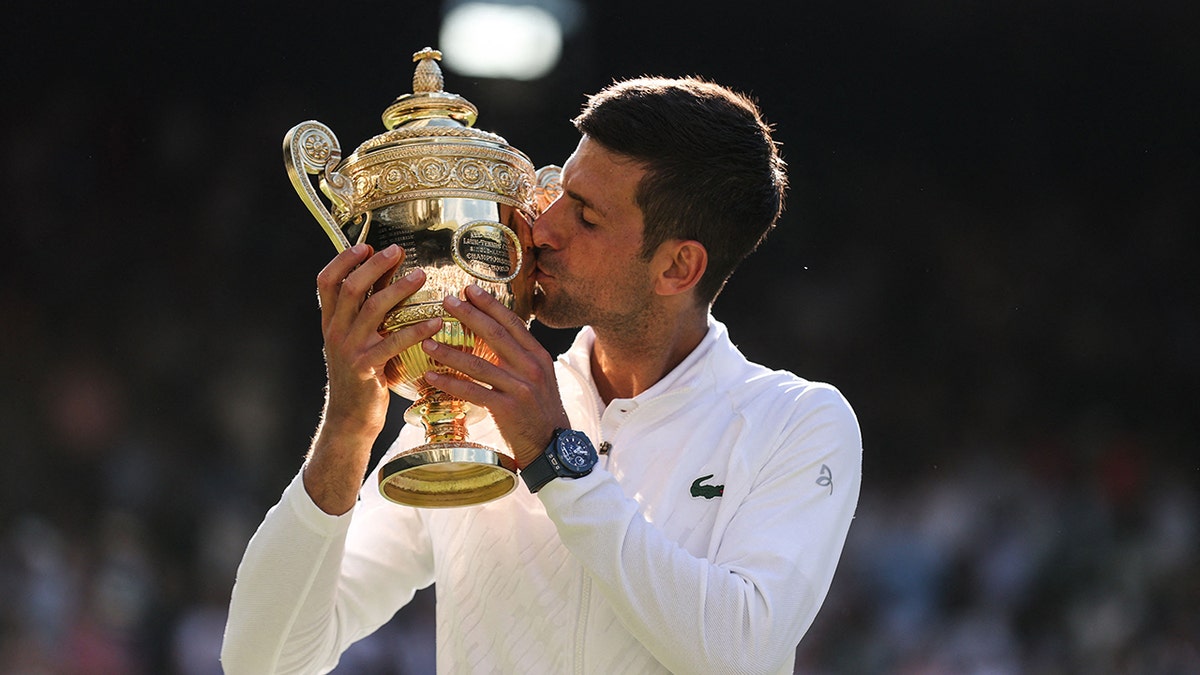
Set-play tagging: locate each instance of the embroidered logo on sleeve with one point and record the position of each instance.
(826, 478)
(706, 491)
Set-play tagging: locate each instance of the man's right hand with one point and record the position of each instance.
(356, 354)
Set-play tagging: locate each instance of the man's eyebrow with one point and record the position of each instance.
(583, 200)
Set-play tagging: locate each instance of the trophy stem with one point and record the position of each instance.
(448, 470)
(444, 417)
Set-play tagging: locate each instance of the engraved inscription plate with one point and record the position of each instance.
(488, 250)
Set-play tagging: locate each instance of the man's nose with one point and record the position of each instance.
(546, 230)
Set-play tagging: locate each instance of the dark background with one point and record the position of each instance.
(988, 247)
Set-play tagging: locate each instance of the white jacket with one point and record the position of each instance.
(704, 541)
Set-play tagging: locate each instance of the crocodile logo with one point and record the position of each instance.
(706, 491)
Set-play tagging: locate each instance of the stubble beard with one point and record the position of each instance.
(623, 312)
(557, 313)
(563, 310)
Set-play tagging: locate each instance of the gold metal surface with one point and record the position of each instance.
(479, 474)
(461, 203)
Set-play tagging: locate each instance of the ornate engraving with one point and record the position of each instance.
(391, 175)
(311, 148)
(410, 314)
(316, 147)
(405, 133)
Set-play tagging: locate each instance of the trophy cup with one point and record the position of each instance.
(460, 201)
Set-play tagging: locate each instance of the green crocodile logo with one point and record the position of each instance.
(706, 491)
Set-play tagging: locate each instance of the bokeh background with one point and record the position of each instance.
(989, 247)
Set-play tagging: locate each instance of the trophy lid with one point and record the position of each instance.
(429, 111)
(428, 101)
(430, 150)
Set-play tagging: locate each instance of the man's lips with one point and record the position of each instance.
(540, 272)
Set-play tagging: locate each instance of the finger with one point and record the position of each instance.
(401, 339)
(467, 390)
(376, 308)
(507, 340)
(505, 317)
(470, 365)
(330, 278)
(354, 287)
(485, 329)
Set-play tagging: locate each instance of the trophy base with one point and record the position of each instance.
(448, 474)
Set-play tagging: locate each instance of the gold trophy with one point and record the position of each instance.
(460, 201)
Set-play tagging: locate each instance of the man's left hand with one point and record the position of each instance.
(523, 397)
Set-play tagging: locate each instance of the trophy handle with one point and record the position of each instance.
(312, 148)
(549, 188)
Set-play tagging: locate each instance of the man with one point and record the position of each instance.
(703, 540)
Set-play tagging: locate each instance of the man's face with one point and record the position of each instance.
(589, 267)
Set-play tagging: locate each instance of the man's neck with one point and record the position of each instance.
(625, 364)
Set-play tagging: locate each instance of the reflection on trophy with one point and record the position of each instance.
(460, 201)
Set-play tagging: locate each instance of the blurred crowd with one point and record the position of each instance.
(1022, 357)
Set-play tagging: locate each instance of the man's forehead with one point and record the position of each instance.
(592, 171)
(578, 176)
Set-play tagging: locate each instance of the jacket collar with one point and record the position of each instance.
(699, 369)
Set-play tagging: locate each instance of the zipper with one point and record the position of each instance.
(585, 595)
(585, 588)
(589, 392)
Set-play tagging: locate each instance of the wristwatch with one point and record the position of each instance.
(569, 455)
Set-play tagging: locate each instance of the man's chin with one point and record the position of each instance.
(550, 316)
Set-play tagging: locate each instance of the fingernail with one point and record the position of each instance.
(453, 301)
(390, 251)
(414, 274)
(359, 248)
(474, 290)
(429, 345)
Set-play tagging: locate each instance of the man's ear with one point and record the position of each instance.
(680, 263)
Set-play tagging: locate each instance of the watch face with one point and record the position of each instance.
(575, 450)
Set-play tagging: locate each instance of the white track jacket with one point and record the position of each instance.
(704, 541)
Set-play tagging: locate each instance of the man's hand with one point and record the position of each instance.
(355, 356)
(523, 396)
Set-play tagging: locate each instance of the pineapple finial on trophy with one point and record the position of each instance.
(428, 76)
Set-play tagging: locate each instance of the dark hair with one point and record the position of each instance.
(713, 172)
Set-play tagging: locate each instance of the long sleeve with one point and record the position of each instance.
(311, 584)
(745, 605)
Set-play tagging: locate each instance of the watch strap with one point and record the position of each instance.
(540, 471)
